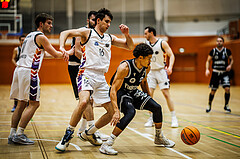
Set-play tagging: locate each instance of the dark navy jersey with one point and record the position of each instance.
(220, 58)
(134, 77)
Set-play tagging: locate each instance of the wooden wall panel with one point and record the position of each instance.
(55, 70)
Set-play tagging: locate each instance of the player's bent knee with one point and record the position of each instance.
(131, 113)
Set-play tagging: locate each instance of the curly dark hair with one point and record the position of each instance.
(101, 14)
(42, 17)
(142, 49)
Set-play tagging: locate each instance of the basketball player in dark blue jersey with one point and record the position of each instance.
(222, 61)
(126, 97)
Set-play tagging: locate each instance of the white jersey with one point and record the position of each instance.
(96, 52)
(31, 54)
(158, 57)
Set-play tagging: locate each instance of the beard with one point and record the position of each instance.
(91, 26)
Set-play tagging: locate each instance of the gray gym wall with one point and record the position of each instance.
(170, 17)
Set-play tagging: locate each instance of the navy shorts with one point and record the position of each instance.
(221, 78)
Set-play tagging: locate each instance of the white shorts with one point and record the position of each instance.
(25, 85)
(158, 77)
(94, 81)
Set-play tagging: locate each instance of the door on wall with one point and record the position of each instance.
(184, 69)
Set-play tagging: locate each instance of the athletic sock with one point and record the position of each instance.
(92, 129)
(83, 125)
(111, 139)
(70, 128)
(90, 123)
(227, 97)
(210, 99)
(13, 131)
(159, 132)
(20, 131)
(173, 114)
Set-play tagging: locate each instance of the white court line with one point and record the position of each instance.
(76, 146)
(144, 135)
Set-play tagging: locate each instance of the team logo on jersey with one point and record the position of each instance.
(156, 52)
(107, 45)
(216, 57)
(96, 43)
(132, 80)
(223, 56)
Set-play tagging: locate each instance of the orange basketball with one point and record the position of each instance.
(190, 135)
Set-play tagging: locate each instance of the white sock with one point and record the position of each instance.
(83, 125)
(173, 114)
(70, 127)
(20, 130)
(90, 123)
(159, 132)
(92, 129)
(13, 131)
(151, 115)
(111, 139)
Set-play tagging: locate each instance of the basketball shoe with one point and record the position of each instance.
(106, 148)
(102, 136)
(174, 122)
(209, 108)
(162, 140)
(149, 123)
(13, 108)
(227, 109)
(64, 143)
(22, 139)
(92, 138)
(10, 140)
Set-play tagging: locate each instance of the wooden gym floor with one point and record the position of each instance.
(220, 135)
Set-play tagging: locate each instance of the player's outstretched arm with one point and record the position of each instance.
(42, 40)
(81, 32)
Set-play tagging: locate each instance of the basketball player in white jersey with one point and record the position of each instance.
(25, 84)
(73, 67)
(159, 71)
(95, 62)
(15, 58)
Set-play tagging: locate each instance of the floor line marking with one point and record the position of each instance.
(74, 145)
(147, 137)
(213, 129)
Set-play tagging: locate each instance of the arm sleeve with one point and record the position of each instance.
(229, 53)
(211, 53)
